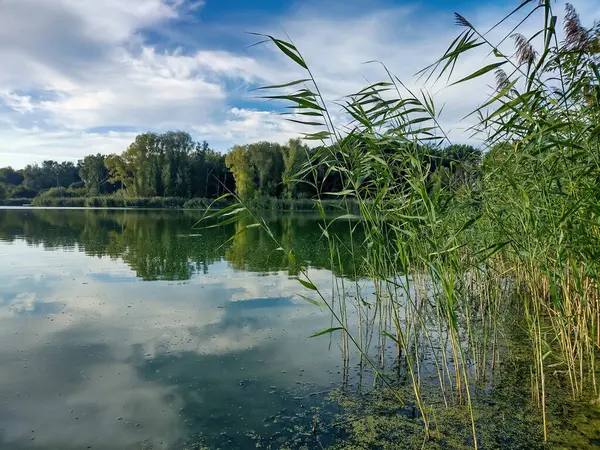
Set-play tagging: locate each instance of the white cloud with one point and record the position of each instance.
(406, 40)
(243, 125)
(147, 90)
(75, 66)
(20, 146)
(70, 372)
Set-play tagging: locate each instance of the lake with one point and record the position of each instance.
(133, 329)
(130, 329)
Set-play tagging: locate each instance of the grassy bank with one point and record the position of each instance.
(15, 201)
(264, 203)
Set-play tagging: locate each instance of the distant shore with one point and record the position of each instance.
(267, 203)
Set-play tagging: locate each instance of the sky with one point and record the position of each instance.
(86, 76)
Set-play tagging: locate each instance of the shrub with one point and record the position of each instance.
(55, 192)
(15, 201)
(58, 201)
(76, 192)
(77, 185)
(22, 192)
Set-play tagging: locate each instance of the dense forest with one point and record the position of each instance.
(174, 166)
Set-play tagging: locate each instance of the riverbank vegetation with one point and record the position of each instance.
(52, 200)
(170, 170)
(450, 254)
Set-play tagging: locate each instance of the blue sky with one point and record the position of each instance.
(85, 76)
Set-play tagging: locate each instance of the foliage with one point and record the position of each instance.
(61, 197)
(267, 169)
(94, 175)
(203, 203)
(107, 201)
(61, 192)
(22, 191)
(169, 164)
(173, 165)
(452, 239)
(10, 176)
(238, 161)
(295, 154)
(50, 174)
(15, 201)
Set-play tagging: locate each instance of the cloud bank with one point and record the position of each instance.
(86, 76)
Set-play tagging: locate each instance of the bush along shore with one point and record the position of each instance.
(265, 203)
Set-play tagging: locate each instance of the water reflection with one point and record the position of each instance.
(162, 245)
(212, 350)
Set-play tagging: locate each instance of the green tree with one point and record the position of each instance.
(94, 174)
(135, 168)
(119, 171)
(267, 159)
(169, 164)
(294, 156)
(219, 177)
(9, 176)
(50, 174)
(198, 171)
(176, 148)
(238, 161)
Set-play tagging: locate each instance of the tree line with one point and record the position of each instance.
(172, 164)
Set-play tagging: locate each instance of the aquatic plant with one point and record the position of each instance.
(456, 241)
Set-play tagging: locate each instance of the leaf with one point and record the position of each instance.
(289, 50)
(480, 72)
(310, 300)
(291, 258)
(235, 211)
(302, 102)
(493, 249)
(242, 230)
(349, 217)
(327, 331)
(394, 338)
(340, 193)
(468, 223)
(228, 221)
(278, 86)
(301, 122)
(307, 113)
(307, 284)
(320, 136)
(594, 133)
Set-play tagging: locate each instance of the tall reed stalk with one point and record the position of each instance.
(451, 248)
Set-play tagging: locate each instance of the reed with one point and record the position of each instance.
(454, 250)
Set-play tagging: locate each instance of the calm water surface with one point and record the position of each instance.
(130, 329)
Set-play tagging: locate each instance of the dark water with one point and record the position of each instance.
(131, 330)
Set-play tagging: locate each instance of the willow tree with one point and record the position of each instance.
(238, 161)
(295, 154)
